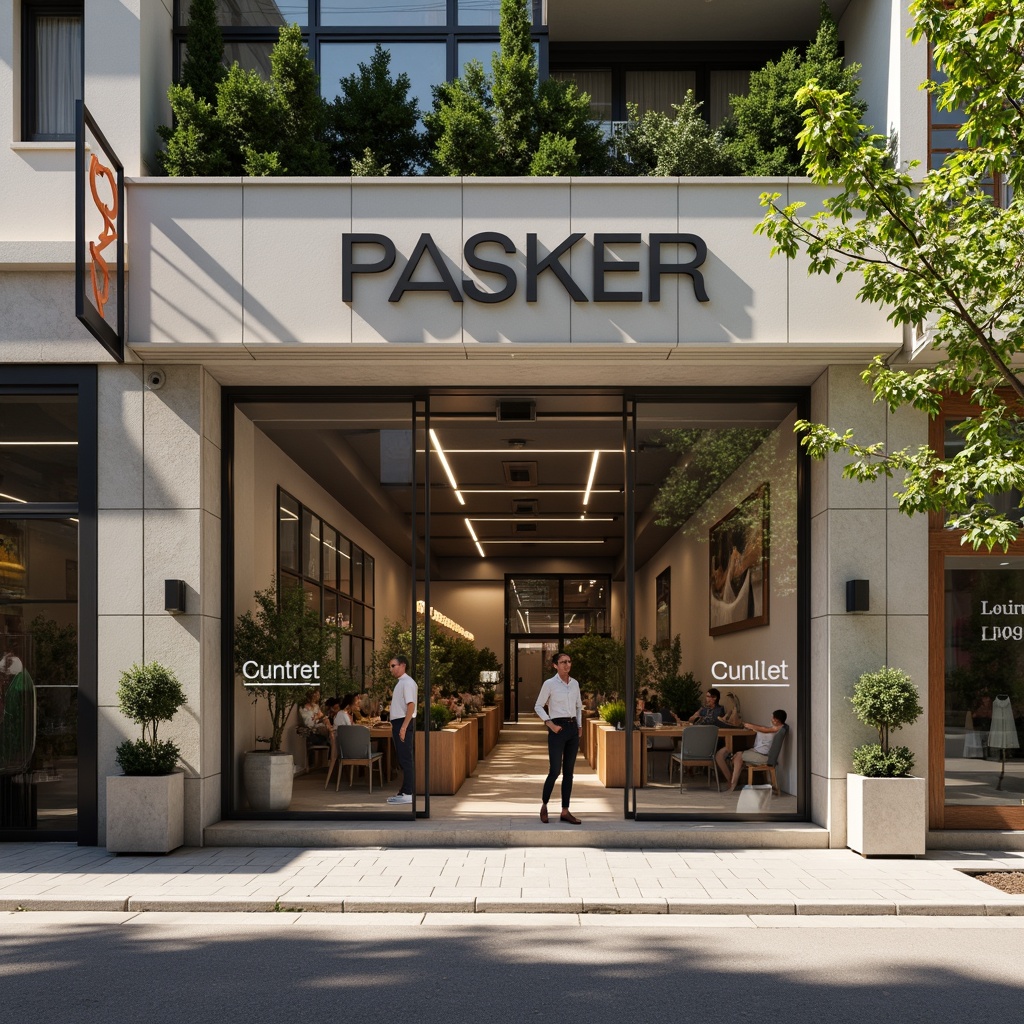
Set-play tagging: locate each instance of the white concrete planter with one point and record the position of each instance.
(268, 779)
(886, 817)
(145, 813)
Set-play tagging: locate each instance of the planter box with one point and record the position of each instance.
(145, 813)
(886, 817)
(611, 757)
(493, 719)
(447, 761)
(592, 726)
(468, 729)
(268, 779)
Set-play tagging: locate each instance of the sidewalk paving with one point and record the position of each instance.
(578, 880)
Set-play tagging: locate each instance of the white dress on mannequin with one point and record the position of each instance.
(1003, 734)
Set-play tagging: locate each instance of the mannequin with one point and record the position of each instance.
(1003, 734)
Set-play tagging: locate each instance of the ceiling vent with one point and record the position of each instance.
(524, 528)
(525, 507)
(520, 474)
(514, 410)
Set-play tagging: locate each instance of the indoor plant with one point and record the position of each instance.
(284, 630)
(146, 805)
(614, 713)
(885, 805)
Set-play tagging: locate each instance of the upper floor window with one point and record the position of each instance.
(52, 69)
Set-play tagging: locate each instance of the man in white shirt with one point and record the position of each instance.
(403, 726)
(560, 708)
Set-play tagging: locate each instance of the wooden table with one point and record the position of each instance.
(735, 739)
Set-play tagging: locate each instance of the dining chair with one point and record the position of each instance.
(773, 759)
(697, 749)
(354, 750)
(658, 744)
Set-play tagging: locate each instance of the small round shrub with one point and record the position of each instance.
(614, 712)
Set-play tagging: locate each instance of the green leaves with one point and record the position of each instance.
(148, 695)
(886, 700)
(941, 256)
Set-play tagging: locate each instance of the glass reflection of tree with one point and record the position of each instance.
(743, 457)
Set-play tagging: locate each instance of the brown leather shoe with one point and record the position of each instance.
(569, 818)
(544, 813)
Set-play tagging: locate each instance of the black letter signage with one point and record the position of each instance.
(534, 268)
(348, 268)
(658, 268)
(407, 284)
(470, 288)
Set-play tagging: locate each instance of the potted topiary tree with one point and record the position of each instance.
(281, 652)
(886, 811)
(146, 805)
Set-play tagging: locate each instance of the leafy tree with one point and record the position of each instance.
(148, 695)
(255, 127)
(599, 663)
(281, 631)
(373, 122)
(203, 68)
(684, 144)
(886, 700)
(939, 253)
(768, 119)
(508, 124)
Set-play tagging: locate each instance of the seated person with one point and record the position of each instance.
(344, 715)
(333, 706)
(314, 720)
(731, 765)
(712, 711)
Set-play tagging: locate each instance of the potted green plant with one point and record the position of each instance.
(280, 651)
(146, 805)
(886, 810)
(614, 713)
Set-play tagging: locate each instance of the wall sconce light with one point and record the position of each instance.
(174, 596)
(857, 599)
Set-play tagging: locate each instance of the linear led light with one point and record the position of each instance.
(36, 444)
(447, 468)
(11, 497)
(541, 519)
(541, 490)
(289, 515)
(590, 479)
(472, 533)
(601, 541)
(529, 451)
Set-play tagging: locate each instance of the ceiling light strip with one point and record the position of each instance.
(472, 533)
(447, 468)
(593, 473)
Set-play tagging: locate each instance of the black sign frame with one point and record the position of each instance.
(85, 309)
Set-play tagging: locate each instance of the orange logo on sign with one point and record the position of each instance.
(107, 235)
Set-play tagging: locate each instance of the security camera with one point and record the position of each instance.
(155, 378)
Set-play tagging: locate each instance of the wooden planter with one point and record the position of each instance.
(468, 728)
(593, 726)
(611, 756)
(493, 719)
(447, 761)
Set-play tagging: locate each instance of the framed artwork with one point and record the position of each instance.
(662, 609)
(738, 555)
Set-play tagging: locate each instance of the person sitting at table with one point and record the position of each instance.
(712, 711)
(344, 715)
(331, 707)
(732, 764)
(314, 720)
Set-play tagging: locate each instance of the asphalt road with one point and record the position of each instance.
(500, 969)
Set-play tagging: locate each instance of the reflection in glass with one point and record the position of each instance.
(703, 465)
(984, 680)
(383, 12)
(288, 532)
(255, 13)
(38, 448)
(310, 537)
(424, 63)
(585, 605)
(38, 674)
(479, 12)
(357, 571)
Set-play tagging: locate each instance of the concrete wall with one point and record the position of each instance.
(158, 519)
(857, 533)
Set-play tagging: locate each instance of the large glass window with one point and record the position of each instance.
(383, 12)
(983, 713)
(424, 63)
(39, 560)
(52, 70)
(718, 486)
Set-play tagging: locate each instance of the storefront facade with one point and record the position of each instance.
(291, 344)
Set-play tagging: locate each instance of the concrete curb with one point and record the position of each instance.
(507, 905)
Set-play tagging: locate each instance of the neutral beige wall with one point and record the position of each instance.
(477, 606)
